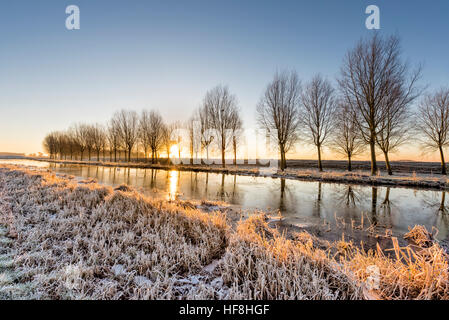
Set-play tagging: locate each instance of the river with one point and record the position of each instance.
(300, 203)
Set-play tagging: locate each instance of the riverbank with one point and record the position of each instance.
(403, 180)
(66, 239)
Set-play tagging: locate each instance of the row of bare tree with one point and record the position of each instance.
(371, 107)
(218, 122)
(123, 134)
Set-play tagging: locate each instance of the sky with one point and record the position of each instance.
(165, 55)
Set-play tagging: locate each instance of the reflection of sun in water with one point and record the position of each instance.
(174, 151)
(172, 184)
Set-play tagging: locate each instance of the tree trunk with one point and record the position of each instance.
(374, 204)
(223, 157)
(235, 151)
(235, 157)
(283, 162)
(129, 155)
(443, 199)
(387, 163)
(320, 165)
(443, 163)
(349, 163)
(372, 145)
(191, 151)
(115, 154)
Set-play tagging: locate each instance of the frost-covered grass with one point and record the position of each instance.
(73, 240)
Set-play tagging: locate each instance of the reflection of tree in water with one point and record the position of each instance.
(285, 195)
(437, 202)
(317, 204)
(144, 178)
(207, 184)
(153, 178)
(234, 196)
(128, 176)
(222, 188)
(99, 173)
(226, 195)
(193, 182)
(386, 204)
(111, 175)
(443, 208)
(374, 205)
(385, 208)
(282, 206)
(350, 196)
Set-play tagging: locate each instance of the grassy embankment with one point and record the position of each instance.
(73, 240)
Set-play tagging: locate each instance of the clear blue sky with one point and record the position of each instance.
(166, 54)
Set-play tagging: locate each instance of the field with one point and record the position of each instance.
(67, 239)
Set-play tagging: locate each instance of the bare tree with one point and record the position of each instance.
(371, 75)
(81, 138)
(236, 132)
(61, 144)
(204, 122)
(144, 129)
(278, 111)
(193, 135)
(128, 124)
(153, 132)
(113, 137)
(50, 144)
(178, 127)
(221, 108)
(99, 139)
(395, 121)
(346, 138)
(90, 137)
(318, 102)
(167, 132)
(433, 122)
(72, 143)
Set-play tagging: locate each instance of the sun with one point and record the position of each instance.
(174, 150)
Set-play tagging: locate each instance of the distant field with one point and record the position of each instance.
(398, 166)
(10, 155)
